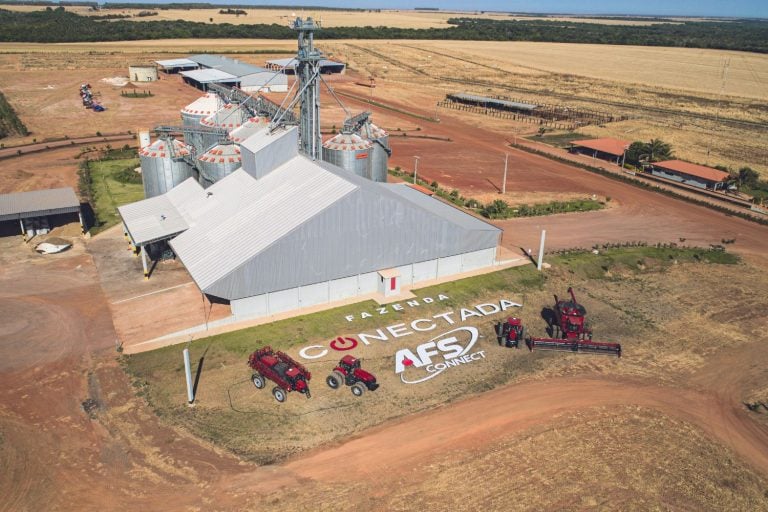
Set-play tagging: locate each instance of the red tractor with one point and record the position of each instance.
(570, 332)
(349, 373)
(510, 333)
(281, 369)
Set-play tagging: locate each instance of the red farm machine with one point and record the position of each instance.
(510, 333)
(281, 369)
(570, 331)
(348, 372)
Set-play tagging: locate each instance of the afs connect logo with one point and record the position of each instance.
(437, 355)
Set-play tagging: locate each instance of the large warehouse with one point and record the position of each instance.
(286, 232)
(201, 70)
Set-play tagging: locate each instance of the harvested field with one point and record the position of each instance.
(334, 18)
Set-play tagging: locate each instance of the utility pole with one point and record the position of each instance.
(415, 169)
(541, 249)
(504, 182)
(188, 374)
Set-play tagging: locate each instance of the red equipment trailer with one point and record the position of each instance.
(570, 331)
(348, 372)
(510, 333)
(281, 369)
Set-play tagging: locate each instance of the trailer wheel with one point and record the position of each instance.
(334, 380)
(258, 381)
(358, 389)
(279, 394)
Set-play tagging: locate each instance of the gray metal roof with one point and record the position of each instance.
(176, 63)
(437, 207)
(257, 213)
(308, 221)
(37, 203)
(163, 216)
(263, 78)
(205, 76)
(493, 101)
(231, 66)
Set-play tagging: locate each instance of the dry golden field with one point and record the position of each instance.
(388, 18)
(659, 106)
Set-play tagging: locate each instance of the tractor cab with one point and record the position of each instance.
(349, 364)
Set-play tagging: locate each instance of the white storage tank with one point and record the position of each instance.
(218, 162)
(163, 166)
(252, 126)
(349, 151)
(229, 117)
(192, 114)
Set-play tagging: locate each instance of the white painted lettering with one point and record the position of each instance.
(426, 351)
(365, 315)
(413, 303)
(398, 330)
(466, 313)
(451, 346)
(363, 337)
(382, 311)
(488, 309)
(350, 318)
(428, 300)
(506, 304)
(442, 297)
(445, 316)
(415, 325)
(397, 307)
(306, 355)
(403, 355)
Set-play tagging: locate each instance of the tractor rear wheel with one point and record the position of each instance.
(335, 380)
(279, 394)
(358, 389)
(258, 381)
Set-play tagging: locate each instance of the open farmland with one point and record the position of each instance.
(679, 102)
(334, 18)
(665, 427)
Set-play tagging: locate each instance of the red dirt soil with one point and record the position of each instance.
(57, 349)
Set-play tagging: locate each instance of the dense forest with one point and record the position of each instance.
(57, 25)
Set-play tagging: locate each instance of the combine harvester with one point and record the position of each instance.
(570, 332)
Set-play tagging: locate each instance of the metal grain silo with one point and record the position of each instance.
(251, 126)
(229, 117)
(191, 115)
(349, 151)
(218, 162)
(163, 166)
(380, 151)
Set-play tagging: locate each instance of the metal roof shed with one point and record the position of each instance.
(38, 203)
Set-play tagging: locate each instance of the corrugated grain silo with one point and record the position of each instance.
(229, 117)
(218, 162)
(349, 151)
(251, 126)
(191, 115)
(163, 166)
(380, 151)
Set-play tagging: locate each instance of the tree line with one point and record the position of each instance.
(57, 25)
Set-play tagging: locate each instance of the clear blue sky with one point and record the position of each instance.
(727, 8)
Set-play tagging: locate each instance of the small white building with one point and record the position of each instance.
(142, 73)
